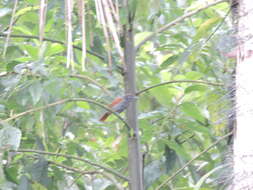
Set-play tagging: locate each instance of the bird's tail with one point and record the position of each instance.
(104, 117)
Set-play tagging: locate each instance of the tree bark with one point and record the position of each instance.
(134, 155)
(243, 142)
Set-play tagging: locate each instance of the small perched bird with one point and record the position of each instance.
(118, 105)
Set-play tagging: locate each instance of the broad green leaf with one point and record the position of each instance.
(24, 183)
(168, 61)
(11, 173)
(192, 110)
(22, 29)
(153, 171)
(178, 149)
(193, 88)
(39, 172)
(10, 66)
(194, 126)
(10, 137)
(33, 51)
(162, 95)
(54, 49)
(25, 10)
(206, 26)
(84, 105)
(36, 90)
(193, 75)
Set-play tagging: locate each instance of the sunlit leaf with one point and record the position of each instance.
(206, 26)
(192, 88)
(192, 110)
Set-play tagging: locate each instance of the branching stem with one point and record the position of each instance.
(110, 170)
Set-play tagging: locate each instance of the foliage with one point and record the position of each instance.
(176, 120)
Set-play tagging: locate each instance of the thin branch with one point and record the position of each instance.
(68, 23)
(175, 22)
(110, 170)
(178, 81)
(84, 77)
(42, 18)
(189, 162)
(82, 19)
(73, 169)
(101, 19)
(10, 27)
(82, 172)
(63, 101)
(53, 41)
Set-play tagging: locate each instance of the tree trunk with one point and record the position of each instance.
(134, 155)
(243, 142)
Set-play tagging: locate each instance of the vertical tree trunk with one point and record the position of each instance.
(243, 142)
(134, 155)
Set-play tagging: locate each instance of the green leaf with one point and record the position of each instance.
(170, 60)
(25, 10)
(10, 66)
(193, 75)
(54, 49)
(194, 126)
(205, 27)
(36, 90)
(153, 171)
(192, 110)
(193, 88)
(84, 105)
(24, 183)
(10, 137)
(163, 94)
(23, 29)
(11, 173)
(178, 149)
(32, 50)
(39, 172)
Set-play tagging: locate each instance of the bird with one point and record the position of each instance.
(118, 105)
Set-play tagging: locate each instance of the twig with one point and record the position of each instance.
(91, 80)
(10, 27)
(63, 101)
(189, 162)
(53, 41)
(82, 172)
(176, 21)
(110, 170)
(73, 169)
(84, 77)
(178, 81)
